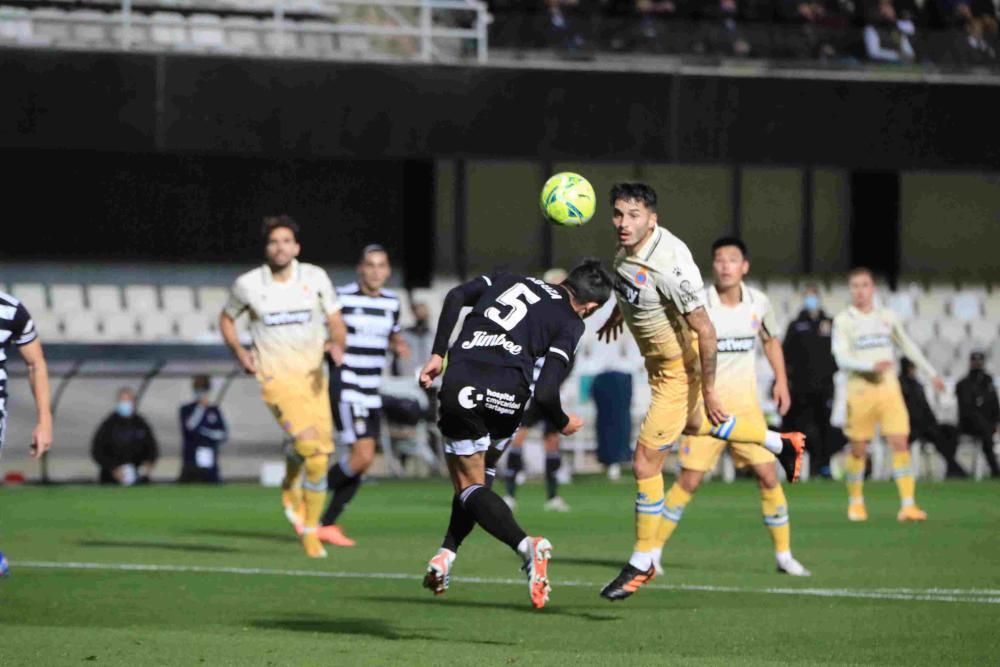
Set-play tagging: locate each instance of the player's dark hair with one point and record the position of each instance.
(201, 383)
(589, 281)
(273, 222)
(727, 241)
(859, 271)
(370, 248)
(637, 192)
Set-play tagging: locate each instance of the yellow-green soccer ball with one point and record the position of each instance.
(568, 199)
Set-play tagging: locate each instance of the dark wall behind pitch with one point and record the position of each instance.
(129, 206)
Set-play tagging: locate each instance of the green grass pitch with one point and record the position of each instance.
(222, 581)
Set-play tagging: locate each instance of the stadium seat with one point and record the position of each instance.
(141, 299)
(81, 327)
(139, 32)
(836, 301)
(315, 41)
(49, 326)
(15, 24)
(991, 306)
(51, 26)
(177, 299)
(105, 299)
(90, 26)
(966, 306)
(941, 354)
(119, 328)
(901, 303)
(952, 330)
(212, 299)
(168, 29)
(921, 330)
(983, 332)
(280, 42)
(931, 306)
(206, 31)
(66, 298)
(32, 295)
(197, 327)
(156, 327)
(242, 34)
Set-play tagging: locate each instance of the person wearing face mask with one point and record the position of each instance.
(124, 446)
(204, 430)
(978, 408)
(811, 367)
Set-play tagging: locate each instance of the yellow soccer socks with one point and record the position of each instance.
(673, 509)
(648, 510)
(314, 488)
(775, 510)
(903, 474)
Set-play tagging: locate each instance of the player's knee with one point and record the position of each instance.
(690, 480)
(767, 478)
(647, 462)
(316, 468)
(311, 433)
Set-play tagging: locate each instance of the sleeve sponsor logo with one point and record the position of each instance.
(688, 295)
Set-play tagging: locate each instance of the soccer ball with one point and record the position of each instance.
(568, 199)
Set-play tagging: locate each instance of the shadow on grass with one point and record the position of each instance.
(614, 564)
(483, 604)
(369, 627)
(270, 536)
(169, 546)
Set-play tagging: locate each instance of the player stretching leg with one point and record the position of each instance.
(863, 338)
(659, 295)
(289, 303)
(371, 314)
(17, 329)
(515, 320)
(741, 315)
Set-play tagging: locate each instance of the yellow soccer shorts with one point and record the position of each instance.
(676, 399)
(300, 403)
(871, 404)
(701, 452)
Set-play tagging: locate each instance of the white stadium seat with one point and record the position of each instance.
(51, 25)
(141, 299)
(105, 299)
(66, 298)
(931, 306)
(32, 295)
(139, 33)
(966, 306)
(206, 31)
(921, 331)
(318, 43)
(156, 327)
(197, 327)
(242, 34)
(941, 354)
(119, 328)
(953, 331)
(901, 303)
(90, 26)
(49, 326)
(15, 24)
(177, 299)
(983, 332)
(81, 327)
(212, 299)
(168, 29)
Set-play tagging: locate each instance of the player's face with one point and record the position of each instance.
(633, 222)
(862, 290)
(282, 248)
(374, 270)
(729, 266)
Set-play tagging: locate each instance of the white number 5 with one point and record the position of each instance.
(518, 309)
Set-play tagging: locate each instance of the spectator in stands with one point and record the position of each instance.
(124, 447)
(924, 425)
(563, 27)
(722, 34)
(887, 37)
(978, 408)
(973, 40)
(204, 431)
(810, 366)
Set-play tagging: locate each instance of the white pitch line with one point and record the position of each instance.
(975, 596)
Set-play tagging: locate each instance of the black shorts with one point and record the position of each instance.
(356, 421)
(533, 416)
(481, 405)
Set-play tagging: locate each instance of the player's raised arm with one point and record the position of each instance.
(702, 325)
(466, 294)
(913, 353)
(612, 328)
(38, 378)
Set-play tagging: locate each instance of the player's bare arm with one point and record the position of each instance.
(612, 328)
(776, 358)
(227, 327)
(38, 378)
(702, 325)
(399, 346)
(337, 342)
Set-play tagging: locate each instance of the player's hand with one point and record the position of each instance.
(782, 399)
(41, 438)
(246, 361)
(938, 383)
(430, 371)
(883, 366)
(336, 352)
(574, 424)
(613, 327)
(119, 474)
(713, 408)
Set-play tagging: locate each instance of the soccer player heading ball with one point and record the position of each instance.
(514, 321)
(661, 298)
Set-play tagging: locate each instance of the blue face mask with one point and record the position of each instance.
(125, 408)
(811, 302)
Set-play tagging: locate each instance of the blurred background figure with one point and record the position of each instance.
(887, 37)
(611, 390)
(924, 425)
(978, 409)
(204, 431)
(811, 367)
(419, 338)
(124, 446)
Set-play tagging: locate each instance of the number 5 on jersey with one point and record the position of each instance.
(518, 309)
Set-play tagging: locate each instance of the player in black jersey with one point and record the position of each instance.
(514, 321)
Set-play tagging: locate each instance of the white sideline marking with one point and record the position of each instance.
(971, 595)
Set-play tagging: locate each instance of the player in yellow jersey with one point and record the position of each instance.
(864, 336)
(660, 296)
(292, 308)
(741, 315)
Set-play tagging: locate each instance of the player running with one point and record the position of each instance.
(660, 296)
(741, 315)
(17, 329)
(371, 314)
(863, 339)
(515, 320)
(292, 306)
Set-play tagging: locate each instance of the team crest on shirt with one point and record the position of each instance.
(755, 322)
(641, 277)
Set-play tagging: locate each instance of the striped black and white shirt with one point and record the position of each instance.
(371, 321)
(16, 328)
